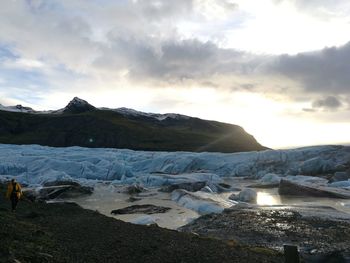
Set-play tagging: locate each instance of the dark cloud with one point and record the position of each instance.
(174, 60)
(324, 72)
(329, 102)
(309, 110)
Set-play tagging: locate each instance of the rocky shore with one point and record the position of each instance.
(319, 236)
(64, 232)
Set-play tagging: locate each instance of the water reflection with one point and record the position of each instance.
(264, 198)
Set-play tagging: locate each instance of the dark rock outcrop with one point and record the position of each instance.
(141, 209)
(287, 187)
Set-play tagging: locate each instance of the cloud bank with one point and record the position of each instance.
(164, 51)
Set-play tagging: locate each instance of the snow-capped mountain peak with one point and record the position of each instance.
(77, 105)
(17, 108)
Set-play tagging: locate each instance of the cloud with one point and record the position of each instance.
(59, 46)
(320, 72)
(324, 9)
(328, 103)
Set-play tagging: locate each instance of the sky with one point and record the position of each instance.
(278, 68)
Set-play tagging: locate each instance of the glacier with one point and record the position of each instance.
(35, 165)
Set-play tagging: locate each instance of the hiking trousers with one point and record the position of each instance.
(14, 201)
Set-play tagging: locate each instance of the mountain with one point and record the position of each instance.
(78, 106)
(81, 124)
(17, 108)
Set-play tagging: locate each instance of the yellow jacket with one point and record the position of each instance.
(10, 189)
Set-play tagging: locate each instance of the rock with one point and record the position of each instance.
(133, 199)
(141, 209)
(133, 189)
(287, 187)
(190, 186)
(246, 195)
(340, 176)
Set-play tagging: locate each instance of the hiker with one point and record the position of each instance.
(14, 193)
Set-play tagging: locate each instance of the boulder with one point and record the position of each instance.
(141, 209)
(287, 187)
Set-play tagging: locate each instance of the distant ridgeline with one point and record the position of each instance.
(81, 124)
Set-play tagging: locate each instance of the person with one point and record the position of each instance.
(14, 193)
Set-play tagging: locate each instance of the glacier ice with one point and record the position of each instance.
(34, 164)
(145, 220)
(246, 195)
(201, 202)
(270, 178)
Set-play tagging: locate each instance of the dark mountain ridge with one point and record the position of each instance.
(81, 124)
